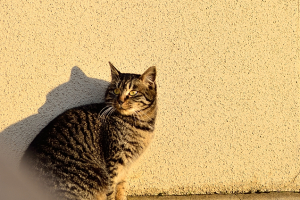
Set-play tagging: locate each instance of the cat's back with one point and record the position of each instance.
(68, 151)
(71, 129)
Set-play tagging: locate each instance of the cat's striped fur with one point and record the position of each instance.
(85, 152)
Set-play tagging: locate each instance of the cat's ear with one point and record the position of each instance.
(114, 72)
(148, 77)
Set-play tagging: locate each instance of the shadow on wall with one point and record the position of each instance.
(79, 90)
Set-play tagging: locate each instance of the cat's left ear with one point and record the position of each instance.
(148, 77)
(114, 72)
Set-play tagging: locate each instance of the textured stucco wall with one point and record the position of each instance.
(228, 76)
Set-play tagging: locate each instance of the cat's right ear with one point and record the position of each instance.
(148, 77)
(114, 72)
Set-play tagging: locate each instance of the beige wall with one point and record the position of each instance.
(228, 76)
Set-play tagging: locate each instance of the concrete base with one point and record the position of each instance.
(255, 196)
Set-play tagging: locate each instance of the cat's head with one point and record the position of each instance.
(131, 93)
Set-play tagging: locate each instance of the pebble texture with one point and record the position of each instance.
(228, 77)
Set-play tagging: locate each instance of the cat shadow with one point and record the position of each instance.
(79, 90)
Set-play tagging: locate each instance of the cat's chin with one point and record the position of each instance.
(126, 111)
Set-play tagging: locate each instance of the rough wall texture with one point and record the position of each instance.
(228, 84)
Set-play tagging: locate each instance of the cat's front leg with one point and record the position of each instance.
(117, 182)
(121, 190)
(117, 191)
(111, 195)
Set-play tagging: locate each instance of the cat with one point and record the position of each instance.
(86, 152)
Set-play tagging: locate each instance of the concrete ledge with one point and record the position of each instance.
(256, 196)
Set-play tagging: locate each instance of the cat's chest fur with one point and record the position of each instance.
(126, 140)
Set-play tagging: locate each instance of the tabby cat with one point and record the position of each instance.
(85, 152)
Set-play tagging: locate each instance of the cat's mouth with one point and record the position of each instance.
(125, 111)
(124, 108)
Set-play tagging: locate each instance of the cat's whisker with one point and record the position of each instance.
(137, 115)
(103, 110)
(106, 109)
(147, 116)
(107, 112)
(141, 115)
(104, 114)
(103, 118)
(111, 111)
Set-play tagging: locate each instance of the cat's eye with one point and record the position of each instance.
(133, 92)
(117, 91)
